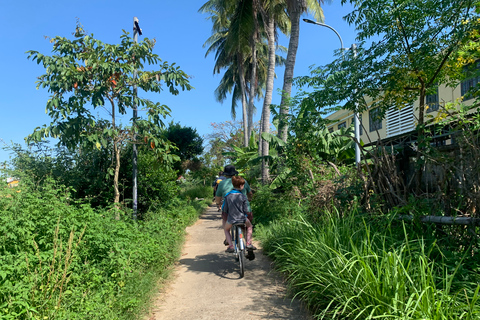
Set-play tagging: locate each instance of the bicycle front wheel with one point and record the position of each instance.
(241, 262)
(241, 252)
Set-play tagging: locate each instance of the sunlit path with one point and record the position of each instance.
(206, 284)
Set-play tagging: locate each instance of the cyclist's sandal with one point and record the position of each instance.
(250, 255)
(225, 242)
(230, 250)
(251, 247)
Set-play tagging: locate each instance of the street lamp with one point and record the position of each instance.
(136, 31)
(356, 121)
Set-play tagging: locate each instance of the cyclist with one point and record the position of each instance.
(217, 181)
(225, 187)
(235, 206)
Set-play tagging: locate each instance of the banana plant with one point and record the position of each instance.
(245, 157)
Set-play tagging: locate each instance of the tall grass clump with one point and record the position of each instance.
(62, 259)
(191, 191)
(345, 267)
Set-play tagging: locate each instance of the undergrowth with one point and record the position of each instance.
(62, 259)
(358, 266)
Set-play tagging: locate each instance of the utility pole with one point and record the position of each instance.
(136, 31)
(356, 121)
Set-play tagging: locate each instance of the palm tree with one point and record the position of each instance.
(233, 22)
(295, 8)
(273, 16)
(237, 40)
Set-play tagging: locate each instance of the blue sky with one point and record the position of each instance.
(180, 32)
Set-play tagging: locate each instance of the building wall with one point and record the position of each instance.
(406, 119)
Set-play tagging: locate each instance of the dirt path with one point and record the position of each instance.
(207, 284)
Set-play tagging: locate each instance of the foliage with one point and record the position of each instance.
(455, 189)
(244, 157)
(405, 50)
(238, 41)
(225, 137)
(207, 171)
(84, 74)
(85, 70)
(156, 181)
(350, 266)
(61, 259)
(186, 139)
(269, 207)
(86, 172)
(196, 192)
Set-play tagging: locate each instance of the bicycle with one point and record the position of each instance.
(239, 246)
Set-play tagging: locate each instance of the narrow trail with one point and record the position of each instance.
(206, 284)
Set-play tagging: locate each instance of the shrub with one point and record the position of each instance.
(354, 266)
(63, 259)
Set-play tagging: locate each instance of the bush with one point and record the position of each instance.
(63, 259)
(269, 207)
(354, 266)
(191, 191)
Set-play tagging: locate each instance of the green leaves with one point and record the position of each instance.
(48, 270)
(84, 75)
(404, 48)
(271, 138)
(86, 71)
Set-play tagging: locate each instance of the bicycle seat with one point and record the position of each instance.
(240, 224)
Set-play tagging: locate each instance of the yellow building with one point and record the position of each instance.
(397, 123)
(12, 182)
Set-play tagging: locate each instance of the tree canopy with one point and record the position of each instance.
(85, 76)
(189, 144)
(404, 51)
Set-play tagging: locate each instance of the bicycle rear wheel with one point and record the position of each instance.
(241, 260)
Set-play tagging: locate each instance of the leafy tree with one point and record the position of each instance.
(189, 144)
(225, 137)
(404, 52)
(85, 75)
(231, 42)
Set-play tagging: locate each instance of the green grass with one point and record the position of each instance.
(353, 267)
(193, 191)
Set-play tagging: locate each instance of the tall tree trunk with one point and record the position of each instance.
(244, 101)
(268, 96)
(116, 152)
(249, 114)
(420, 139)
(295, 9)
(253, 78)
(117, 172)
(260, 130)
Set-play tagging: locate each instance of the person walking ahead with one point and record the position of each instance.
(235, 205)
(217, 181)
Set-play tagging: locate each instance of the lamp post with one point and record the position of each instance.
(136, 31)
(356, 121)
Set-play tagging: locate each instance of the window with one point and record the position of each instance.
(375, 119)
(400, 121)
(471, 82)
(431, 100)
(342, 125)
